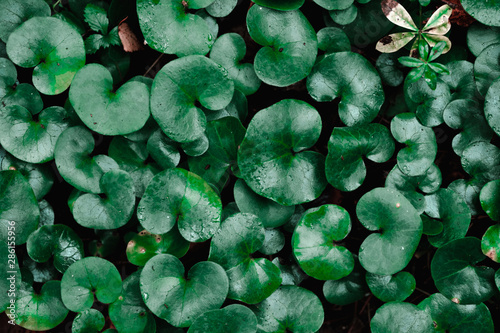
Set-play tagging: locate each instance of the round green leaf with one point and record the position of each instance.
(400, 227)
(271, 213)
(19, 212)
(490, 197)
(316, 243)
(281, 4)
(111, 211)
(104, 110)
(490, 243)
(348, 289)
(480, 168)
(163, 150)
(401, 317)
(221, 8)
(388, 68)
(31, 140)
(345, 169)
(421, 150)
(234, 318)
(179, 196)
(132, 157)
(74, 163)
(129, 313)
(455, 318)
(178, 86)
(351, 77)
(289, 308)
(250, 280)
(228, 51)
(492, 105)
(481, 36)
(14, 13)
(89, 276)
(487, 68)
(53, 47)
(272, 159)
(332, 39)
(169, 27)
(486, 12)
(391, 288)
(456, 276)
(289, 45)
(453, 213)
(224, 135)
(40, 311)
(90, 320)
(145, 245)
(178, 299)
(57, 240)
(274, 242)
(344, 16)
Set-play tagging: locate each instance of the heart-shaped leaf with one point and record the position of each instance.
(289, 45)
(345, 169)
(250, 280)
(271, 213)
(484, 11)
(289, 307)
(19, 212)
(272, 159)
(451, 317)
(169, 27)
(178, 86)
(228, 51)
(89, 276)
(421, 150)
(232, 318)
(348, 289)
(31, 140)
(74, 163)
(14, 13)
(487, 68)
(224, 135)
(53, 47)
(178, 299)
(105, 110)
(480, 168)
(391, 288)
(179, 196)
(40, 311)
(316, 243)
(490, 243)
(281, 4)
(145, 245)
(57, 240)
(400, 226)
(351, 77)
(33, 271)
(401, 317)
(90, 320)
(481, 36)
(456, 275)
(453, 213)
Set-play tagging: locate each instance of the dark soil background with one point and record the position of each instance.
(349, 318)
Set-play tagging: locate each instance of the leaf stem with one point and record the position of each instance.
(154, 64)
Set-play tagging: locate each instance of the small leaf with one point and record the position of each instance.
(344, 16)
(434, 39)
(430, 78)
(490, 243)
(394, 42)
(391, 288)
(331, 39)
(410, 62)
(423, 49)
(415, 74)
(94, 42)
(97, 18)
(439, 68)
(398, 15)
(90, 320)
(436, 51)
(438, 23)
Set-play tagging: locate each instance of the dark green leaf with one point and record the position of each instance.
(13, 13)
(233, 318)
(344, 16)
(332, 39)
(487, 68)
(484, 11)
(402, 318)
(391, 288)
(97, 18)
(481, 36)
(348, 289)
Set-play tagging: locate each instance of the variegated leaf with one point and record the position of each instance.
(398, 15)
(434, 39)
(394, 42)
(439, 22)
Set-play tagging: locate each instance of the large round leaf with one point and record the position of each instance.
(89, 276)
(74, 163)
(391, 288)
(453, 213)
(354, 80)
(40, 311)
(19, 211)
(28, 139)
(487, 68)
(57, 240)
(111, 211)
(421, 150)
(345, 169)
(316, 243)
(180, 299)
(13, 13)
(289, 308)
(455, 318)
(53, 47)
(272, 159)
(400, 226)
(250, 280)
(179, 196)
(492, 105)
(456, 275)
(169, 27)
(398, 317)
(105, 110)
(486, 12)
(176, 89)
(289, 45)
(234, 318)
